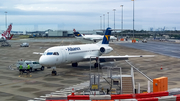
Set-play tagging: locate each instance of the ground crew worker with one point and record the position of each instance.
(28, 69)
(20, 69)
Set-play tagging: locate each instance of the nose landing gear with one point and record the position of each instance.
(54, 71)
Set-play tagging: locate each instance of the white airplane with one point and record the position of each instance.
(58, 55)
(91, 37)
(6, 34)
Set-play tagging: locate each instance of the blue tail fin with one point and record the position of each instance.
(107, 35)
(77, 34)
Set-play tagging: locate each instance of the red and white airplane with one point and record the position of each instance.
(6, 35)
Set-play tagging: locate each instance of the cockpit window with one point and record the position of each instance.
(52, 53)
(49, 53)
(55, 53)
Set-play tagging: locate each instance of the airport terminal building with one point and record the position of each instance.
(59, 33)
(67, 33)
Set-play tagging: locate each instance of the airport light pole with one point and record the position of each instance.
(5, 19)
(100, 22)
(104, 20)
(121, 21)
(108, 18)
(114, 18)
(133, 19)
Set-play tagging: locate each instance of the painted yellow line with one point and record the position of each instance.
(25, 76)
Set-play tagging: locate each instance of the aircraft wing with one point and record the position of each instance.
(96, 39)
(38, 53)
(117, 58)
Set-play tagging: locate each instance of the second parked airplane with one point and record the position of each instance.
(91, 37)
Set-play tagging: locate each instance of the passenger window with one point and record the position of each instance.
(49, 53)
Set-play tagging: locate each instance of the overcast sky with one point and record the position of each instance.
(40, 15)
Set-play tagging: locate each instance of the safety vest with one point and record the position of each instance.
(20, 67)
(28, 67)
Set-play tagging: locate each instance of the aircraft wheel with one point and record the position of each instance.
(54, 73)
(42, 68)
(74, 64)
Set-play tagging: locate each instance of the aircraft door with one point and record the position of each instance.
(63, 55)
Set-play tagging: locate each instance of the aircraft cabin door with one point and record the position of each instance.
(64, 55)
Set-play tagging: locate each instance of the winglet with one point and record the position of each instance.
(107, 35)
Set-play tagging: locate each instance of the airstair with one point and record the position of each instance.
(5, 44)
(123, 84)
(126, 82)
(127, 87)
(139, 71)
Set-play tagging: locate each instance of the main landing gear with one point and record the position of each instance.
(96, 65)
(74, 64)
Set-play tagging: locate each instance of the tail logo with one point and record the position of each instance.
(107, 37)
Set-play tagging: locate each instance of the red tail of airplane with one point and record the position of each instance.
(74, 30)
(7, 34)
(11, 36)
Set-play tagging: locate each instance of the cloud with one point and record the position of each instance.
(86, 14)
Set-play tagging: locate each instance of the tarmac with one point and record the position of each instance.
(14, 87)
(165, 48)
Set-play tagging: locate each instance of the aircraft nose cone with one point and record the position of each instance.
(45, 61)
(48, 61)
(42, 61)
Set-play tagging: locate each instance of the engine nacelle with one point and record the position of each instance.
(105, 50)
